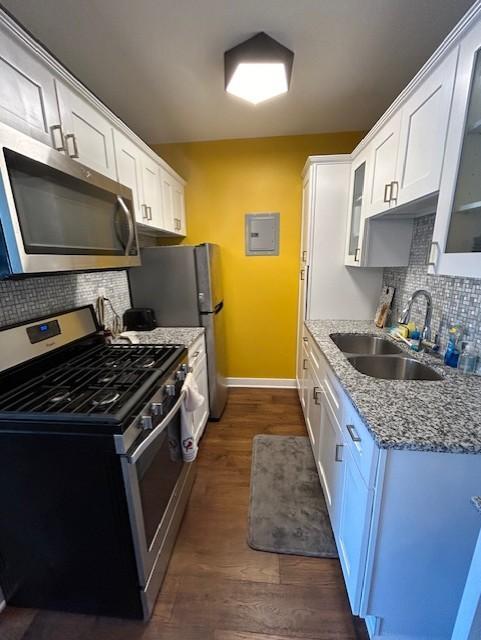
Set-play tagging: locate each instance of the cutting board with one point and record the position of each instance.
(384, 306)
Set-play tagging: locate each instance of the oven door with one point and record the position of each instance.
(154, 475)
(58, 215)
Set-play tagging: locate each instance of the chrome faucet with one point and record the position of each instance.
(406, 313)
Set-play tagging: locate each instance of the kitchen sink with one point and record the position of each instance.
(364, 344)
(393, 368)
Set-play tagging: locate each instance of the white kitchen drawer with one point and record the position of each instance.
(197, 352)
(360, 443)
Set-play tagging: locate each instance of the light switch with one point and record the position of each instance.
(262, 234)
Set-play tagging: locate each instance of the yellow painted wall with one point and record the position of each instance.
(225, 180)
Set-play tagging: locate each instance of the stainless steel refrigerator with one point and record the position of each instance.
(182, 284)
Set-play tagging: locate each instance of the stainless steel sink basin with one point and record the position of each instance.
(364, 344)
(393, 368)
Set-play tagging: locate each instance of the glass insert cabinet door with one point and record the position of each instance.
(353, 249)
(464, 232)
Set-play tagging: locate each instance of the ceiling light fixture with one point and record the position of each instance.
(258, 69)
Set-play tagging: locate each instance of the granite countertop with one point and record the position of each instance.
(419, 415)
(476, 500)
(168, 335)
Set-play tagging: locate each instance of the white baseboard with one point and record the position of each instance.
(263, 383)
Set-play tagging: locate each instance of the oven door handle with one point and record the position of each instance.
(133, 457)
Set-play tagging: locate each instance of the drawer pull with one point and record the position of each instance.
(339, 448)
(387, 192)
(316, 394)
(304, 256)
(195, 354)
(305, 339)
(394, 185)
(355, 437)
(304, 364)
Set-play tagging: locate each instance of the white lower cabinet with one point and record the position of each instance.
(402, 520)
(353, 529)
(329, 463)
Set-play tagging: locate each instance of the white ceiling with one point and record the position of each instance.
(158, 64)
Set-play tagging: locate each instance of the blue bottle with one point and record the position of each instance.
(451, 355)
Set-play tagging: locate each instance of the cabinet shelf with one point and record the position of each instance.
(469, 206)
(475, 127)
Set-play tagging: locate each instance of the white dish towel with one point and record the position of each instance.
(192, 401)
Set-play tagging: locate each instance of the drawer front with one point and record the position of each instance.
(360, 444)
(197, 352)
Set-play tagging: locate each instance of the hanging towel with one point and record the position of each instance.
(192, 401)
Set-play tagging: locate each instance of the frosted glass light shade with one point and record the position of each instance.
(257, 82)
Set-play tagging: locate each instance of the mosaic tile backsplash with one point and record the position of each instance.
(29, 298)
(455, 300)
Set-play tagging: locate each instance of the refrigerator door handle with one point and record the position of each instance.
(219, 306)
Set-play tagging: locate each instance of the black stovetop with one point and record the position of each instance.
(100, 382)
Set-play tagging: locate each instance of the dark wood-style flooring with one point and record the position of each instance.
(216, 587)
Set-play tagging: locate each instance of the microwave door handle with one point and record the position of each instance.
(130, 224)
(133, 457)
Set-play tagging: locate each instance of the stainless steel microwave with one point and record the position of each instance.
(57, 214)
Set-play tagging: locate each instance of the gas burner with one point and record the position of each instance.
(104, 398)
(147, 362)
(61, 395)
(106, 378)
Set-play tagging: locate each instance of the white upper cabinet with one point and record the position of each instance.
(173, 206)
(178, 202)
(456, 248)
(383, 159)
(422, 140)
(355, 227)
(27, 92)
(127, 160)
(87, 132)
(407, 153)
(151, 199)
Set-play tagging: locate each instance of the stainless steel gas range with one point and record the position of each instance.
(92, 482)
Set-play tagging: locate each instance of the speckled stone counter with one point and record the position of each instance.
(476, 500)
(169, 335)
(419, 415)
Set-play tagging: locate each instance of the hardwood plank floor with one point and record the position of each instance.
(216, 587)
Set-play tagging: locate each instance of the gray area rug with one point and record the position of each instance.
(287, 510)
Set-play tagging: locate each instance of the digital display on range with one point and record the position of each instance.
(43, 331)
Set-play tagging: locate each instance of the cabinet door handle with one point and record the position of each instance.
(304, 364)
(387, 192)
(150, 213)
(338, 456)
(71, 136)
(394, 185)
(145, 213)
(355, 437)
(195, 355)
(303, 271)
(356, 255)
(304, 339)
(53, 129)
(316, 395)
(304, 256)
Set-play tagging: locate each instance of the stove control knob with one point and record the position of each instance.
(186, 368)
(157, 408)
(180, 375)
(170, 389)
(146, 423)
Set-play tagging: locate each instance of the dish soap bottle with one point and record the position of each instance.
(451, 356)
